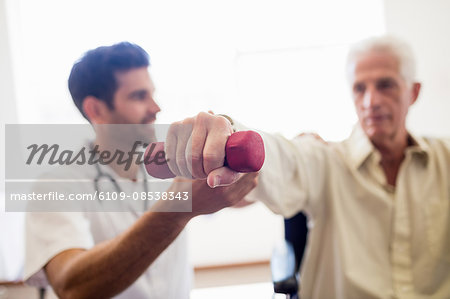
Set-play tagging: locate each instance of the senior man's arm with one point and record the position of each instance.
(293, 175)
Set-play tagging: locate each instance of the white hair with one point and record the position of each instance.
(386, 43)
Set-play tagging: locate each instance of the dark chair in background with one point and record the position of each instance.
(288, 256)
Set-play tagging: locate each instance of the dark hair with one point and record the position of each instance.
(94, 73)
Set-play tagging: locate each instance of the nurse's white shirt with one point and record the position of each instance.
(49, 233)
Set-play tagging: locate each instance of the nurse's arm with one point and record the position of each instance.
(110, 267)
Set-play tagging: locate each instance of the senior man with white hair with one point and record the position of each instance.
(378, 201)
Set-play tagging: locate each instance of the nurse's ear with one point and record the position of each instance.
(96, 110)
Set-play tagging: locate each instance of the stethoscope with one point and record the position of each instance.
(101, 174)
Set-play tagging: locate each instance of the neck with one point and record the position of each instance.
(128, 170)
(392, 154)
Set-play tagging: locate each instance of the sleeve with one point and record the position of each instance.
(50, 233)
(294, 175)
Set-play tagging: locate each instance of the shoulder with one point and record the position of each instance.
(438, 155)
(316, 152)
(440, 146)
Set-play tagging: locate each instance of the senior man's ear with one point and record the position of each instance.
(415, 91)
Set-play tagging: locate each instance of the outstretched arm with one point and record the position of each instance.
(291, 179)
(111, 266)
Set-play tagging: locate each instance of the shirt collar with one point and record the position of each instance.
(360, 148)
(107, 169)
(419, 148)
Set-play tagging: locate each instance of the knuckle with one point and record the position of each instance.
(187, 121)
(202, 117)
(174, 126)
(222, 121)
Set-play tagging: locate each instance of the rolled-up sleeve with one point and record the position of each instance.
(50, 233)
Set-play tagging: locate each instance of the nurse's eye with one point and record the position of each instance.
(139, 95)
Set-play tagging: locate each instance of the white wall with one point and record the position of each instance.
(11, 224)
(8, 111)
(426, 25)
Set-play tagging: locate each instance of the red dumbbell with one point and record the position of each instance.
(244, 152)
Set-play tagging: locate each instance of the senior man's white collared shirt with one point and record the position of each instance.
(368, 239)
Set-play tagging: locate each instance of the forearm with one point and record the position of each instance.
(278, 178)
(111, 266)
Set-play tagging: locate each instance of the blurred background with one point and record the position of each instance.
(277, 66)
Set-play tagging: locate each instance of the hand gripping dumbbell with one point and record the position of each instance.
(244, 152)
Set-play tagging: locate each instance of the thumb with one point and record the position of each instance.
(222, 176)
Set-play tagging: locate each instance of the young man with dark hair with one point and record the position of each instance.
(125, 254)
